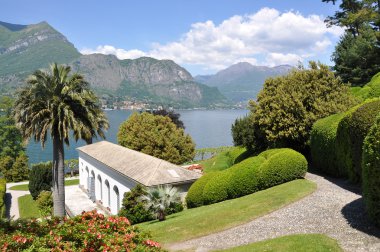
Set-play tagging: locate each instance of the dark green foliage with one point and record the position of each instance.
(244, 179)
(6, 164)
(282, 166)
(20, 169)
(288, 106)
(3, 189)
(323, 145)
(40, 178)
(357, 57)
(194, 197)
(371, 172)
(172, 115)
(133, 208)
(243, 133)
(351, 132)
(216, 189)
(45, 203)
(268, 169)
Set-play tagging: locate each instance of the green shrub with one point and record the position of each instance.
(238, 154)
(370, 90)
(282, 166)
(351, 132)
(244, 178)
(133, 208)
(3, 189)
(40, 178)
(323, 145)
(194, 197)
(45, 203)
(268, 169)
(216, 189)
(20, 169)
(371, 172)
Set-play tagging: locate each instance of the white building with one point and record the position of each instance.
(107, 171)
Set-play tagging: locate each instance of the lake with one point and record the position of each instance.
(208, 128)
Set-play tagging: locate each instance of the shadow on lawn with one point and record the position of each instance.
(357, 217)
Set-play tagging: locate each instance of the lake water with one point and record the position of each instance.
(208, 128)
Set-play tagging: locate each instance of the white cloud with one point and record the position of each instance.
(265, 37)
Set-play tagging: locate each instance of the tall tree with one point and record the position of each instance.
(357, 55)
(58, 103)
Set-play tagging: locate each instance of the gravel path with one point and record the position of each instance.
(11, 200)
(334, 209)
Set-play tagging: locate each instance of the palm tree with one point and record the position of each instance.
(158, 199)
(58, 103)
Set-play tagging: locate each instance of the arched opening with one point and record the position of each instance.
(108, 193)
(86, 178)
(91, 186)
(117, 197)
(100, 186)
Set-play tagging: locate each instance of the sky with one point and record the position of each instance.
(204, 36)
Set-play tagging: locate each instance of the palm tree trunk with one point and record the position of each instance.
(58, 177)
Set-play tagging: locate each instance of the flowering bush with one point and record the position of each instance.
(90, 231)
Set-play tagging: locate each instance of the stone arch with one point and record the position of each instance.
(100, 187)
(107, 200)
(117, 198)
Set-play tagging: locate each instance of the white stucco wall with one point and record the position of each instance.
(88, 166)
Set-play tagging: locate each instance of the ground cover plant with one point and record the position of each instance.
(87, 232)
(204, 220)
(268, 169)
(292, 243)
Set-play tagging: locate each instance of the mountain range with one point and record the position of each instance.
(26, 48)
(242, 81)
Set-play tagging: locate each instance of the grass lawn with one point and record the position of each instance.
(28, 207)
(205, 220)
(292, 243)
(25, 187)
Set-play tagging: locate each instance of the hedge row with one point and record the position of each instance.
(268, 169)
(370, 90)
(2, 197)
(337, 141)
(371, 172)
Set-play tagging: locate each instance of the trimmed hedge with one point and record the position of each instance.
(370, 90)
(244, 177)
(323, 146)
(351, 132)
(3, 190)
(194, 197)
(282, 166)
(268, 169)
(216, 189)
(371, 172)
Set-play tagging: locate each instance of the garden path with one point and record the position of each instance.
(335, 209)
(11, 200)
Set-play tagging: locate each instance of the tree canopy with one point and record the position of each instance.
(287, 106)
(157, 136)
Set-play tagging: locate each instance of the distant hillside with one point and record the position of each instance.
(26, 48)
(242, 81)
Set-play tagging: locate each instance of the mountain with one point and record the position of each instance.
(242, 81)
(26, 48)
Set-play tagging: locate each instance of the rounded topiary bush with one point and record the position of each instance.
(351, 132)
(283, 166)
(244, 177)
(194, 197)
(216, 189)
(371, 172)
(323, 146)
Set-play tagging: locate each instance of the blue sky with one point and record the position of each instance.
(203, 36)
